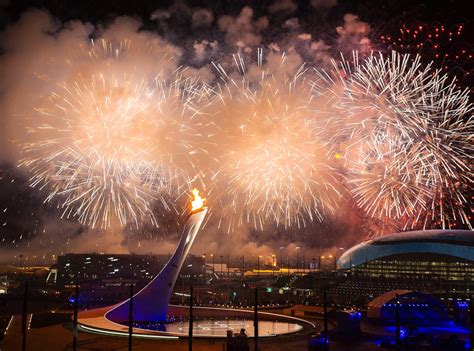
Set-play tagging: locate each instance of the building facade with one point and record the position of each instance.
(81, 268)
(432, 260)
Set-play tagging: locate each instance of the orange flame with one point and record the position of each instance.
(198, 201)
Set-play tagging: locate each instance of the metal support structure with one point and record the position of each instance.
(130, 319)
(471, 320)
(288, 264)
(280, 264)
(222, 266)
(213, 269)
(325, 316)
(255, 320)
(350, 266)
(228, 277)
(190, 329)
(397, 323)
(74, 325)
(297, 260)
(258, 269)
(24, 315)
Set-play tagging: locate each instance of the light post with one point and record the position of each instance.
(213, 271)
(288, 265)
(190, 322)
(273, 265)
(258, 269)
(334, 262)
(222, 265)
(130, 319)
(297, 259)
(397, 323)
(24, 315)
(190, 325)
(281, 259)
(325, 320)
(74, 327)
(255, 320)
(202, 274)
(21, 266)
(339, 253)
(228, 274)
(471, 308)
(313, 278)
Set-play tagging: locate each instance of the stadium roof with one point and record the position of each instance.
(455, 243)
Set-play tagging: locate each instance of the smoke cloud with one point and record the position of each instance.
(242, 31)
(39, 52)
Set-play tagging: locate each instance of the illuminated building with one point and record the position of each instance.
(80, 268)
(444, 256)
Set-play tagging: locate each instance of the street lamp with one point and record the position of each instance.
(21, 264)
(273, 265)
(258, 268)
(222, 265)
(228, 273)
(339, 255)
(212, 256)
(281, 259)
(297, 259)
(288, 265)
(204, 266)
(334, 261)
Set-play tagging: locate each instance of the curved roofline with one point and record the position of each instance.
(455, 243)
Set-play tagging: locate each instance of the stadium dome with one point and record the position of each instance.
(458, 244)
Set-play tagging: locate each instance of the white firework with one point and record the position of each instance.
(271, 160)
(406, 132)
(112, 142)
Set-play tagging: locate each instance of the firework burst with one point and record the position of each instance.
(406, 132)
(441, 44)
(272, 163)
(111, 141)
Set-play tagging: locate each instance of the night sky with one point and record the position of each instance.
(204, 32)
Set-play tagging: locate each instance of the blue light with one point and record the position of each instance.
(318, 340)
(403, 333)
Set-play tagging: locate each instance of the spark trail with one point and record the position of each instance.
(272, 161)
(112, 142)
(406, 131)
